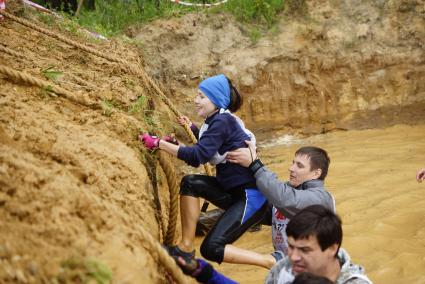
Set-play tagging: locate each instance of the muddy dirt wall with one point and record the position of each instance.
(76, 187)
(343, 65)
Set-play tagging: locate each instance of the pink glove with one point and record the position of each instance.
(171, 139)
(2, 7)
(150, 142)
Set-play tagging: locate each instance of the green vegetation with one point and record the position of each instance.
(47, 91)
(254, 34)
(98, 271)
(52, 74)
(259, 16)
(138, 106)
(108, 107)
(76, 270)
(111, 17)
(70, 25)
(260, 12)
(46, 18)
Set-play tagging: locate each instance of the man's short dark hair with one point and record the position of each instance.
(319, 159)
(316, 220)
(308, 278)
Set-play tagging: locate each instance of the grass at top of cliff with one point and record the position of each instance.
(110, 18)
(113, 17)
(260, 12)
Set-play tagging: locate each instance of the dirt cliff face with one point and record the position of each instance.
(344, 65)
(76, 187)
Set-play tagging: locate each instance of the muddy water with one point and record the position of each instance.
(372, 176)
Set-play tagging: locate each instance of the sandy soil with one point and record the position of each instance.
(75, 184)
(345, 65)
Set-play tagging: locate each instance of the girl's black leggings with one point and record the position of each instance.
(244, 207)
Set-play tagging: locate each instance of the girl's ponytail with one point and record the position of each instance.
(235, 98)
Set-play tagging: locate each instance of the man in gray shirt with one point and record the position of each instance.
(305, 187)
(314, 246)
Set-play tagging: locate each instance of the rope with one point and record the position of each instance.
(10, 51)
(198, 4)
(153, 246)
(29, 79)
(165, 163)
(174, 191)
(164, 258)
(148, 82)
(168, 262)
(58, 36)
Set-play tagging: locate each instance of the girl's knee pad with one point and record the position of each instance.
(212, 251)
(186, 185)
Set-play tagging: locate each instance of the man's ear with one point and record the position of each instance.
(333, 249)
(317, 173)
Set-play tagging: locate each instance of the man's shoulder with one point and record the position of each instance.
(280, 273)
(350, 273)
(314, 184)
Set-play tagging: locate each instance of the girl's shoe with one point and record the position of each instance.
(189, 258)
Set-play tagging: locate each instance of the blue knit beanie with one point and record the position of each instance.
(217, 89)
